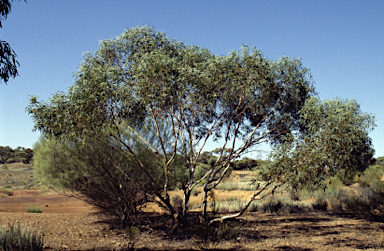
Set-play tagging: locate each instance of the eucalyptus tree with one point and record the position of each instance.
(334, 140)
(144, 79)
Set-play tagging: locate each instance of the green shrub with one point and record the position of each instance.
(6, 191)
(16, 237)
(330, 190)
(370, 175)
(34, 209)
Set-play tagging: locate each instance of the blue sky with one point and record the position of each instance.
(341, 42)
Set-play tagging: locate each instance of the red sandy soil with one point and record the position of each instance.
(70, 224)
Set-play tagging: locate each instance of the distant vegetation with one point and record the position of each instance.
(19, 154)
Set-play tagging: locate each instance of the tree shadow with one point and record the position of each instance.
(259, 228)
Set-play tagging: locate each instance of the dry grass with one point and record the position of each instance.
(286, 229)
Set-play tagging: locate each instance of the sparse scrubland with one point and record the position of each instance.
(131, 137)
(337, 211)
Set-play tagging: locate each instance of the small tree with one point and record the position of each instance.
(144, 78)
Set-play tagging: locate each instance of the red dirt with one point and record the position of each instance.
(49, 202)
(70, 224)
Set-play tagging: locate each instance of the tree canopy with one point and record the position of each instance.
(334, 140)
(145, 89)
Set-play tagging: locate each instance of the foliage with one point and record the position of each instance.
(97, 173)
(34, 209)
(8, 62)
(379, 161)
(19, 154)
(17, 237)
(245, 164)
(371, 176)
(183, 96)
(334, 141)
(328, 189)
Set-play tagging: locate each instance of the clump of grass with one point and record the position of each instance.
(16, 237)
(230, 186)
(34, 209)
(227, 186)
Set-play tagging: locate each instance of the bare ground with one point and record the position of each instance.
(70, 224)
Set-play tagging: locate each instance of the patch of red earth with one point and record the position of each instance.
(49, 202)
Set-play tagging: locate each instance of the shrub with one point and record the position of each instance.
(98, 174)
(195, 192)
(370, 175)
(216, 232)
(176, 200)
(227, 232)
(272, 206)
(34, 209)
(6, 191)
(320, 204)
(369, 203)
(16, 237)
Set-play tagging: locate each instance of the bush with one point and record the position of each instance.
(370, 175)
(34, 209)
(369, 203)
(195, 192)
(216, 232)
(97, 173)
(176, 200)
(16, 237)
(272, 206)
(8, 192)
(320, 204)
